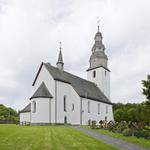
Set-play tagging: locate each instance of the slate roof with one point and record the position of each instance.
(98, 67)
(60, 58)
(84, 88)
(42, 91)
(26, 109)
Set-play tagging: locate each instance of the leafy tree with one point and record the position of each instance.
(131, 112)
(135, 112)
(2, 118)
(7, 113)
(118, 114)
(146, 89)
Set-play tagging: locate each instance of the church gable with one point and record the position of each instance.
(43, 75)
(37, 74)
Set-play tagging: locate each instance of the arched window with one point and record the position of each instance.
(105, 73)
(65, 119)
(106, 109)
(65, 103)
(94, 74)
(88, 107)
(34, 106)
(72, 107)
(98, 108)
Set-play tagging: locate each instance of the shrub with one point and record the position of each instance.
(93, 124)
(89, 122)
(101, 123)
(140, 125)
(122, 126)
(147, 128)
(128, 132)
(142, 133)
(111, 125)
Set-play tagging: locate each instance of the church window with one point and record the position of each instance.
(98, 108)
(72, 107)
(106, 119)
(105, 73)
(34, 106)
(88, 107)
(65, 120)
(65, 103)
(106, 109)
(94, 74)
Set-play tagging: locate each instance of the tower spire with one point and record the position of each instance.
(98, 57)
(98, 28)
(60, 64)
(60, 44)
(98, 21)
(98, 71)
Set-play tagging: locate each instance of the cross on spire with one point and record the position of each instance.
(60, 45)
(98, 21)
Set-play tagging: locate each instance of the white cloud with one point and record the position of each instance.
(30, 32)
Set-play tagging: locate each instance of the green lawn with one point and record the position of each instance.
(14, 137)
(140, 141)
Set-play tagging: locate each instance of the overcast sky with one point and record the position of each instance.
(30, 32)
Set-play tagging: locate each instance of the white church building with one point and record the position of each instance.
(60, 97)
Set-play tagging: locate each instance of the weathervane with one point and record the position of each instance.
(60, 45)
(98, 21)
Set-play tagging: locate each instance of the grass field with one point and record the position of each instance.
(14, 137)
(142, 142)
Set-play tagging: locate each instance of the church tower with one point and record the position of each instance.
(98, 71)
(60, 64)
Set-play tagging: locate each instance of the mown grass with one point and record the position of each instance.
(140, 141)
(14, 137)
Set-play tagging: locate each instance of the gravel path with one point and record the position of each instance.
(120, 144)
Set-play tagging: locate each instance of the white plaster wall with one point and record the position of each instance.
(93, 115)
(45, 76)
(76, 114)
(102, 80)
(73, 117)
(43, 110)
(25, 116)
